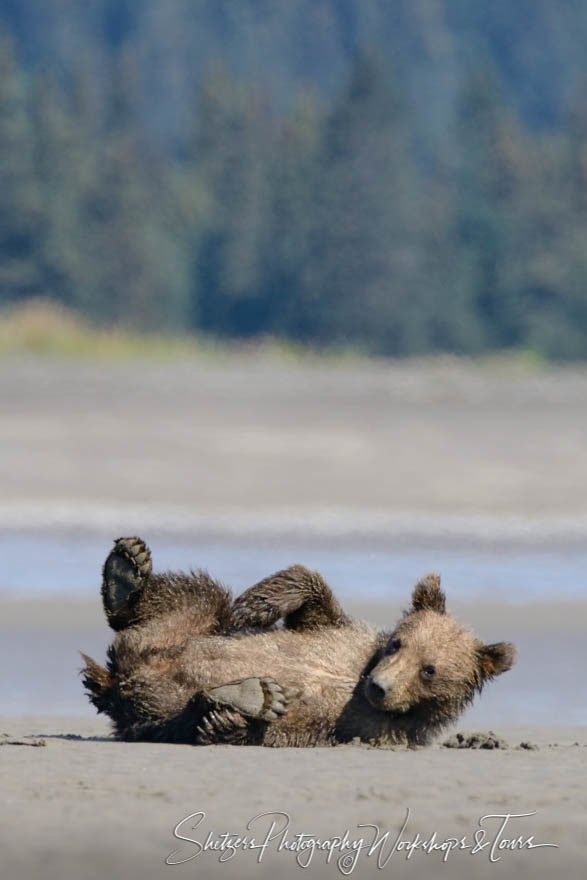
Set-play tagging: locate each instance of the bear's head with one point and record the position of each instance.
(431, 667)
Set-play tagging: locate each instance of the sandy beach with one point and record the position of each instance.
(82, 806)
(368, 455)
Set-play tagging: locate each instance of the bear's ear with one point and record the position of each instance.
(428, 596)
(495, 659)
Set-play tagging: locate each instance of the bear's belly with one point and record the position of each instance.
(314, 662)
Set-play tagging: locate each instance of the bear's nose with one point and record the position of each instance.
(375, 691)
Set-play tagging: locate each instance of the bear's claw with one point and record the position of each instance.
(135, 551)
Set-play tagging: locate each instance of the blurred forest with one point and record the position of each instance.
(396, 176)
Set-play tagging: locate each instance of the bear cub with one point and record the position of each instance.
(188, 664)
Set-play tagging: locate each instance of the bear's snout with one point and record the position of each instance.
(376, 691)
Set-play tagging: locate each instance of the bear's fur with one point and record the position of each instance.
(187, 665)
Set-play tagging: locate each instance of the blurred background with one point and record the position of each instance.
(399, 177)
(299, 281)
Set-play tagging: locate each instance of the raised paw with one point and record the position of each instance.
(125, 571)
(298, 595)
(136, 553)
(272, 598)
(256, 697)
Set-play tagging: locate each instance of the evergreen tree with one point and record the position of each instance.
(293, 177)
(231, 152)
(21, 219)
(361, 281)
(138, 275)
(488, 151)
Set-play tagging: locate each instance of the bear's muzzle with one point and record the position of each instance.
(376, 692)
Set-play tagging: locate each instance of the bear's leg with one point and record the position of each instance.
(129, 585)
(124, 575)
(237, 709)
(302, 597)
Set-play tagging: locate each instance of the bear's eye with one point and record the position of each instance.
(393, 646)
(428, 671)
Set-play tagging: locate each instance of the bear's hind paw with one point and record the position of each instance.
(256, 697)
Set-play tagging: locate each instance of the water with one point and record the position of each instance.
(71, 565)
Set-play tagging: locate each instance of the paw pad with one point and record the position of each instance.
(136, 552)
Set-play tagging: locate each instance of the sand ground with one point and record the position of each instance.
(87, 808)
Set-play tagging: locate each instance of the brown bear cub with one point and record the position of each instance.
(189, 665)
